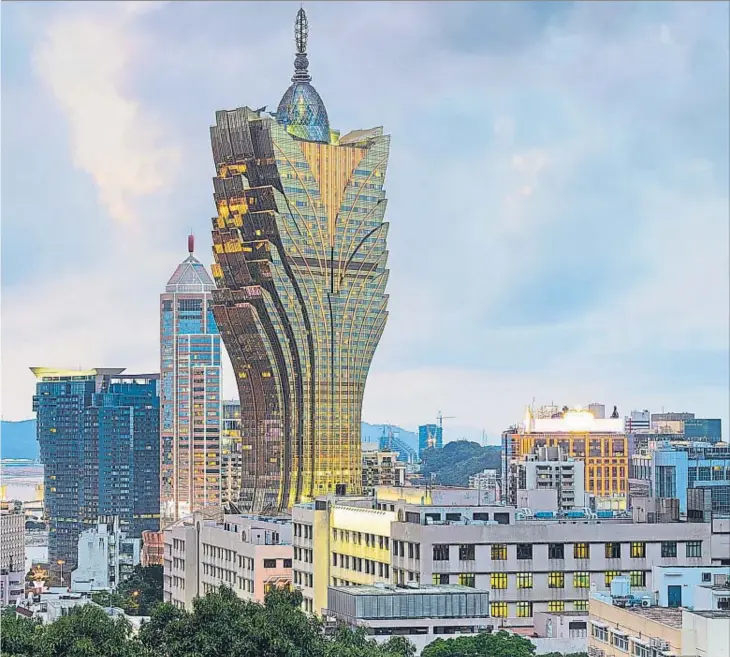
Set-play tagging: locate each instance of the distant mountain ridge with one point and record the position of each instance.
(18, 439)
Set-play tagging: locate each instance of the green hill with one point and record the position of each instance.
(458, 460)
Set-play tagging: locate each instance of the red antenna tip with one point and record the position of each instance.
(191, 243)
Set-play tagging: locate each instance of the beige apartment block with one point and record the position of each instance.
(249, 554)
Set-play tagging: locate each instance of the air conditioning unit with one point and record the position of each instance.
(659, 644)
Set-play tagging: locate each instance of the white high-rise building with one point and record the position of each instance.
(106, 557)
(190, 393)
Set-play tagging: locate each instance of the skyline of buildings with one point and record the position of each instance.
(300, 267)
(190, 392)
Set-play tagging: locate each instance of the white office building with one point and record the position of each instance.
(106, 557)
(488, 483)
(549, 480)
(249, 554)
(12, 556)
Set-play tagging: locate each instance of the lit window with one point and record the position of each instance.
(498, 609)
(638, 578)
(556, 605)
(467, 579)
(609, 575)
(580, 605)
(581, 580)
(499, 580)
(524, 609)
(638, 550)
(499, 552)
(524, 581)
(581, 551)
(556, 580)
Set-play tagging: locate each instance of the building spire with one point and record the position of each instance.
(301, 63)
(191, 243)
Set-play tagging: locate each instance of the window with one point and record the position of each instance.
(582, 580)
(467, 579)
(609, 575)
(524, 551)
(499, 552)
(638, 550)
(581, 551)
(466, 553)
(639, 650)
(599, 632)
(621, 641)
(556, 580)
(499, 580)
(694, 548)
(524, 609)
(669, 549)
(524, 581)
(556, 551)
(580, 605)
(440, 552)
(269, 563)
(706, 577)
(440, 578)
(498, 609)
(613, 550)
(638, 578)
(556, 605)
(287, 563)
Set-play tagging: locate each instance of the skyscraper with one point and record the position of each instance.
(300, 267)
(430, 436)
(99, 436)
(190, 408)
(231, 451)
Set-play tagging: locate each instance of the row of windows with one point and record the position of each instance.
(303, 579)
(357, 538)
(368, 566)
(302, 530)
(637, 550)
(303, 554)
(525, 609)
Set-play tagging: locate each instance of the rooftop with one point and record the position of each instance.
(190, 276)
(396, 590)
(711, 613)
(669, 616)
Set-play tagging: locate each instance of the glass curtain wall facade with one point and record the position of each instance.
(99, 437)
(430, 436)
(231, 452)
(300, 267)
(190, 408)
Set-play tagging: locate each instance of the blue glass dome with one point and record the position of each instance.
(302, 111)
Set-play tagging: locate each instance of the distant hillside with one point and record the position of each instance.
(371, 434)
(18, 441)
(458, 460)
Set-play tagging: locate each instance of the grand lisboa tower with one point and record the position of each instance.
(300, 271)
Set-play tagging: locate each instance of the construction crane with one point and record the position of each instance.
(440, 417)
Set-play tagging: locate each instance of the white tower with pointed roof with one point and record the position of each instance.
(190, 392)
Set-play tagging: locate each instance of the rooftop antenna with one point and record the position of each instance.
(191, 243)
(301, 33)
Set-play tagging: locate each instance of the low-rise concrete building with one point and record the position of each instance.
(549, 470)
(653, 631)
(382, 468)
(676, 586)
(249, 554)
(422, 614)
(527, 565)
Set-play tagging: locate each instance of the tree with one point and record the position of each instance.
(19, 636)
(137, 595)
(88, 631)
(500, 644)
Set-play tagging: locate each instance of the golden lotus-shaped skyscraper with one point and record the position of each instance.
(300, 270)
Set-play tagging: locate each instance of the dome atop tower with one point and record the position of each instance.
(301, 108)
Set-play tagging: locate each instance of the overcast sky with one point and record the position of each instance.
(558, 189)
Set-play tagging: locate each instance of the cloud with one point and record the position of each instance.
(85, 60)
(558, 189)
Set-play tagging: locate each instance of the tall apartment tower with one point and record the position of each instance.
(190, 407)
(99, 435)
(300, 267)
